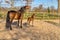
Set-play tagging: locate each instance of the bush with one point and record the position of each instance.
(1, 15)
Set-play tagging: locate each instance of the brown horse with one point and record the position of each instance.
(12, 14)
(31, 19)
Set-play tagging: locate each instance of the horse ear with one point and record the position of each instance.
(27, 7)
(33, 13)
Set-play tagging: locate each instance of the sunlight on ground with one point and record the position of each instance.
(41, 31)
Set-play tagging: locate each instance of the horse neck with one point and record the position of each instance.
(22, 10)
(32, 16)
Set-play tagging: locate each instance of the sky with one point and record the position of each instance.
(35, 3)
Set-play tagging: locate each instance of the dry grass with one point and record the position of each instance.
(41, 31)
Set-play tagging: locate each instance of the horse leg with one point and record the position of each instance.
(32, 23)
(10, 24)
(18, 22)
(7, 21)
(21, 23)
(29, 22)
(7, 24)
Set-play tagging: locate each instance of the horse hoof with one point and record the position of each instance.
(10, 28)
(20, 26)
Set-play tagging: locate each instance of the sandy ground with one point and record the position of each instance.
(41, 31)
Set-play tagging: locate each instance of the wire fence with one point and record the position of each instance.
(38, 15)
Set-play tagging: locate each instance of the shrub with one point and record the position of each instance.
(1, 15)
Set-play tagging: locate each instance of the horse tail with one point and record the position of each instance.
(7, 20)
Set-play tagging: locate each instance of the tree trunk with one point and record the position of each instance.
(12, 3)
(59, 6)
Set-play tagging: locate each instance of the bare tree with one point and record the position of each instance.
(0, 4)
(7, 1)
(58, 6)
(28, 1)
(11, 2)
(52, 9)
(40, 8)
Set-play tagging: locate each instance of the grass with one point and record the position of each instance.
(42, 16)
(37, 15)
(2, 15)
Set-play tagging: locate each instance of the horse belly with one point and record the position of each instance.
(16, 16)
(12, 15)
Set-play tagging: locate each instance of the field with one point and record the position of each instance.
(46, 24)
(46, 27)
(42, 30)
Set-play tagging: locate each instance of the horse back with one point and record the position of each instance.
(12, 13)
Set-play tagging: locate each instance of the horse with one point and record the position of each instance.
(12, 14)
(31, 19)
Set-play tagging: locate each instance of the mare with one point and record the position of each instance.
(12, 14)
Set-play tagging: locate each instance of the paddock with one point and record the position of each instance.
(42, 30)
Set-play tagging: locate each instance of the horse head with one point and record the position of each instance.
(27, 7)
(24, 8)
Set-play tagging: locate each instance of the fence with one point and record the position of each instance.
(38, 15)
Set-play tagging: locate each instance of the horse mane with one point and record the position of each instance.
(22, 9)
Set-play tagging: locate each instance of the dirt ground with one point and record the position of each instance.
(40, 31)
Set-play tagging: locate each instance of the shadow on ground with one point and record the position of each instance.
(56, 24)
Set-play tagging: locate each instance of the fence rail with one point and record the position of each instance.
(38, 15)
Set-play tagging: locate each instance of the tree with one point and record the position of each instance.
(0, 5)
(28, 1)
(40, 8)
(58, 6)
(7, 1)
(52, 9)
(48, 10)
(11, 2)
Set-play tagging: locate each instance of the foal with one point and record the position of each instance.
(31, 19)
